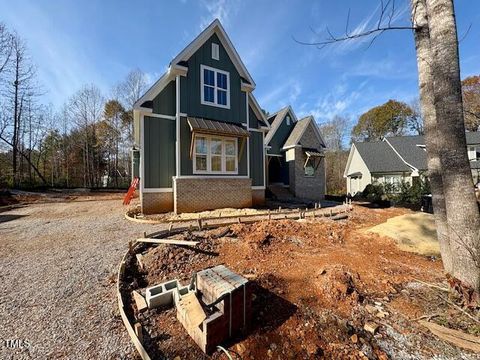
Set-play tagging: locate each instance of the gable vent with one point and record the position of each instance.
(215, 51)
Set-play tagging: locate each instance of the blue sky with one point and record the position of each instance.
(80, 42)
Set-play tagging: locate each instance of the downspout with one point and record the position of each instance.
(177, 119)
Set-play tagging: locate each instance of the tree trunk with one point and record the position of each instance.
(424, 58)
(15, 125)
(461, 204)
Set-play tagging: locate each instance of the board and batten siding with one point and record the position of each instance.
(281, 135)
(186, 162)
(252, 119)
(256, 158)
(159, 152)
(190, 101)
(164, 103)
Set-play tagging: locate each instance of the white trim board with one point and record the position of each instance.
(396, 152)
(158, 190)
(257, 109)
(258, 188)
(276, 124)
(211, 177)
(215, 28)
(161, 116)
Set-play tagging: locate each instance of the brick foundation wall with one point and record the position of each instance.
(154, 203)
(258, 197)
(201, 194)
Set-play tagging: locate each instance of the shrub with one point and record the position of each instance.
(374, 192)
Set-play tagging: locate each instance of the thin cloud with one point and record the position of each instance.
(217, 9)
(283, 95)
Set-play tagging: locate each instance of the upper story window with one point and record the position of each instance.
(215, 87)
(288, 120)
(215, 52)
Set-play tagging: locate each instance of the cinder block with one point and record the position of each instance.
(162, 294)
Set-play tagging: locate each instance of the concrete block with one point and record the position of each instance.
(162, 294)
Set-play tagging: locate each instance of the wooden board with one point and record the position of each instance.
(458, 338)
(139, 301)
(168, 241)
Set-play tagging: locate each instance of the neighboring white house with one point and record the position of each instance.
(396, 159)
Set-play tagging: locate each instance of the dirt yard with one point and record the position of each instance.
(316, 284)
(313, 282)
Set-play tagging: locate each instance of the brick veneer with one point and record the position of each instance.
(206, 194)
(258, 197)
(154, 203)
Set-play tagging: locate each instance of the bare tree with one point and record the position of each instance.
(334, 132)
(129, 91)
(456, 209)
(85, 109)
(20, 86)
(415, 120)
(462, 209)
(5, 48)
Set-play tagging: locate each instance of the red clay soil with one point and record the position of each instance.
(315, 284)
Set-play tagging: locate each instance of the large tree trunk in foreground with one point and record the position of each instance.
(422, 44)
(462, 209)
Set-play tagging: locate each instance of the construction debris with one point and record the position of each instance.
(321, 289)
(139, 301)
(458, 338)
(371, 327)
(218, 292)
(168, 241)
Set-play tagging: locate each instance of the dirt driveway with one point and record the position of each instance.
(58, 264)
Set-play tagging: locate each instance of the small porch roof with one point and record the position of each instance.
(205, 126)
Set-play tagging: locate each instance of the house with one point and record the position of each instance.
(397, 159)
(295, 158)
(199, 132)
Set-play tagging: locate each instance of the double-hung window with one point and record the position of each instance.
(215, 155)
(215, 87)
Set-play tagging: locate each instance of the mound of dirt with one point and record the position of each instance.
(339, 283)
(166, 262)
(265, 234)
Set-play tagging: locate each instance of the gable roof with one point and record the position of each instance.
(176, 65)
(258, 110)
(277, 121)
(380, 157)
(409, 150)
(299, 129)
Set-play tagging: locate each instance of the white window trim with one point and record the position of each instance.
(215, 88)
(215, 51)
(209, 155)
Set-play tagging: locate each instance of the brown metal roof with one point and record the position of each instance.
(314, 153)
(204, 126)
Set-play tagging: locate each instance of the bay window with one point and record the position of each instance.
(215, 155)
(215, 87)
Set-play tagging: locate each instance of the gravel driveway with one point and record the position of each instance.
(58, 264)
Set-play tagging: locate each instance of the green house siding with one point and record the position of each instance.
(190, 102)
(164, 103)
(135, 163)
(159, 152)
(252, 119)
(280, 137)
(256, 158)
(187, 163)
